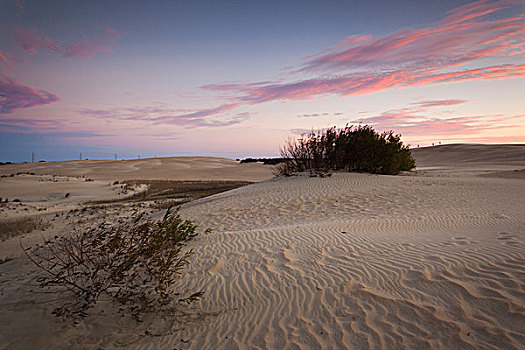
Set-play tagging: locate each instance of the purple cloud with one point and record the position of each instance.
(163, 115)
(14, 95)
(32, 42)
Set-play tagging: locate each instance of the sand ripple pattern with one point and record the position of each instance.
(358, 261)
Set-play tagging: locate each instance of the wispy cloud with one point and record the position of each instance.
(439, 103)
(423, 119)
(14, 95)
(32, 42)
(415, 121)
(164, 115)
(463, 36)
(34, 124)
(432, 55)
(313, 115)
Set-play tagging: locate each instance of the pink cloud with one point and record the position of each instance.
(410, 57)
(456, 40)
(32, 42)
(362, 83)
(416, 122)
(422, 119)
(14, 95)
(476, 9)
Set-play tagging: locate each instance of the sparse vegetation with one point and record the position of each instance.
(190, 190)
(15, 227)
(135, 264)
(359, 149)
(176, 192)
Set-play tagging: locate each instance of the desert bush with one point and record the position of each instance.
(135, 265)
(359, 149)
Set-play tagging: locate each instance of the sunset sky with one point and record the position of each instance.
(237, 78)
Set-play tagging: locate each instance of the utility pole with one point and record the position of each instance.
(80, 156)
(115, 156)
(32, 157)
(139, 156)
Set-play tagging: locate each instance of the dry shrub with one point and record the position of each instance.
(134, 264)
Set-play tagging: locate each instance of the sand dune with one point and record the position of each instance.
(173, 168)
(470, 154)
(359, 261)
(432, 260)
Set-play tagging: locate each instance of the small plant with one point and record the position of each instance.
(135, 265)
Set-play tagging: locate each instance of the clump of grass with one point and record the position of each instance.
(15, 227)
(135, 264)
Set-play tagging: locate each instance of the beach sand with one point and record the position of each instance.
(432, 259)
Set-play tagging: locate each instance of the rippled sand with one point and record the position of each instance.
(431, 260)
(360, 261)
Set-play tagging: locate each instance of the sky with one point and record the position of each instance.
(237, 78)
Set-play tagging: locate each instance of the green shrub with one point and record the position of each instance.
(134, 264)
(359, 149)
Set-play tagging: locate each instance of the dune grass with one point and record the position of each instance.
(15, 227)
(168, 193)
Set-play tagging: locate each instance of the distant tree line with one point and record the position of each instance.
(265, 161)
(357, 149)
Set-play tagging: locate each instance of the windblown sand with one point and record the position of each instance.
(434, 259)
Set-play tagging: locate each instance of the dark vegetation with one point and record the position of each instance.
(24, 173)
(135, 265)
(265, 161)
(358, 149)
(168, 193)
(15, 227)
